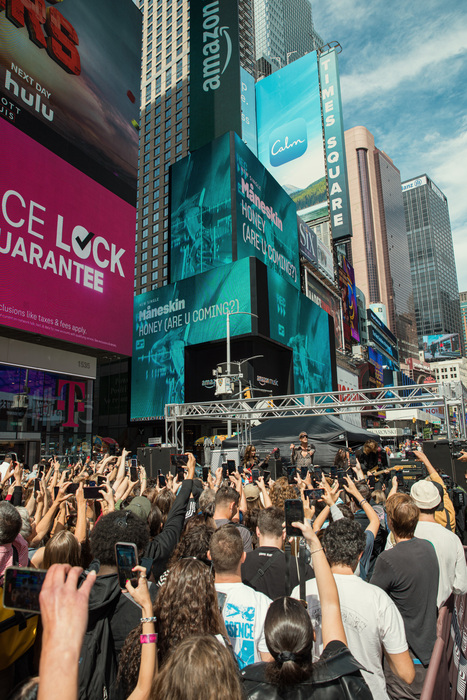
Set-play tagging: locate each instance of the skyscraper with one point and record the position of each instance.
(432, 263)
(164, 136)
(380, 254)
(284, 31)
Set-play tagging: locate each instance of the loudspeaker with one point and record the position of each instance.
(154, 458)
(439, 454)
(275, 467)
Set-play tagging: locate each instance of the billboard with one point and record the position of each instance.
(166, 320)
(339, 204)
(290, 134)
(320, 295)
(67, 247)
(70, 79)
(298, 323)
(265, 217)
(349, 299)
(441, 347)
(307, 242)
(214, 71)
(213, 224)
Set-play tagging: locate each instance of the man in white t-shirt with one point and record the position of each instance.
(371, 620)
(243, 609)
(448, 547)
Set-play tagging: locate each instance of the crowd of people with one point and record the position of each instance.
(219, 602)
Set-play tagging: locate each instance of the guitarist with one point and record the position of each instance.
(251, 461)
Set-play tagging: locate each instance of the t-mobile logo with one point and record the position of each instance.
(71, 402)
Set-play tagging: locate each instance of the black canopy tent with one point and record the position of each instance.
(327, 432)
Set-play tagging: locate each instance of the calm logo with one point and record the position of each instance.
(287, 142)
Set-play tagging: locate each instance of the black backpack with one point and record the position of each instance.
(97, 672)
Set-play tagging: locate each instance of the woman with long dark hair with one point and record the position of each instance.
(289, 638)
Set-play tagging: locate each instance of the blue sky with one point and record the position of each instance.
(404, 77)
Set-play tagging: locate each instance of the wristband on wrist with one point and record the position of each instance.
(362, 501)
(148, 619)
(148, 638)
(316, 550)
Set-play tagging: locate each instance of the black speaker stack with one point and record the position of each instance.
(155, 458)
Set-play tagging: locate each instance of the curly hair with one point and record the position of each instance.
(281, 491)
(194, 543)
(119, 526)
(200, 668)
(288, 628)
(344, 541)
(186, 605)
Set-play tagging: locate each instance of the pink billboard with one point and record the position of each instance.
(67, 249)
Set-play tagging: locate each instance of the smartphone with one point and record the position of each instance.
(14, 456)
(314, 494)
(21, 588)
(371, 481)
(224, 470)
(400, 479)
(293, 513)
(221, 598)
(126, 556)
(266, 476)
(37, 485)
(255, 475)
(179, 460)
(230, 466)
(180, 473)
(133, 473)
(333, 472)
(205, 473)
(340, 477)
(318, 474)
(40, 469)
(162, 481)
(304, 472)
(134, 462)
(91, 493)
(409, 454)
(291, 474)
(101, 479)
(352, 460)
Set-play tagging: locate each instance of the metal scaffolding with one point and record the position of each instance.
(243, 412)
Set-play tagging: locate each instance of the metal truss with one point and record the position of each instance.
(244, 411)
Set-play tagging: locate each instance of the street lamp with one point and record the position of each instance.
(289, 53)
(278, 59)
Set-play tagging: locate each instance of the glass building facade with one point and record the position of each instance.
(432, 263)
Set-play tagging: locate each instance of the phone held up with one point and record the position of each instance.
(126, 556)
(293, 513)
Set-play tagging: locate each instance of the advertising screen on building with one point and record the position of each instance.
(266, 217)
(248, 100)
(166, 320)
(67, 250)
(201, 211)
(290, 134)
(349, 299)
(70, 79)
(441, 347)
(307, 242)
(330, 303)
(325, 261)
(339, 203)
(205, 212)
(302, 326)
(214, 71)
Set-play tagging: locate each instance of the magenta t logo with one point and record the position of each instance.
(72, 397)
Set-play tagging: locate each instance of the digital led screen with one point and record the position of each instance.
(70, 79)
(202, 224)
(200, 206)
(320, 295)
(349, 298)
(248, 100)
(385, 345)
(266, 217)
(166, 320)
(67, 247)
(290, 134)
(303, 326)
(441, 347)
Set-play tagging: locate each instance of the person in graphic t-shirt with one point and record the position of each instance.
(243, 608)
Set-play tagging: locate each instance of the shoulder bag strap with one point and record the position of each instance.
(262, 570)
(287, 550)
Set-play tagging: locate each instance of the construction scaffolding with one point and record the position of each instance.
(243, 412)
